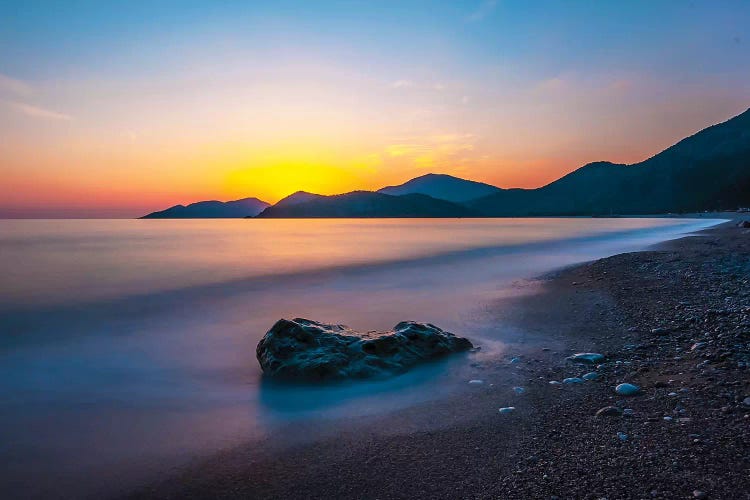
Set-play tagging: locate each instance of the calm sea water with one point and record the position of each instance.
(127, 346)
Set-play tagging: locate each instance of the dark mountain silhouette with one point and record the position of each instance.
(709, 170)
(368, 204)
(212, 209)
(296, 198)
(443, 187)
(706, 171)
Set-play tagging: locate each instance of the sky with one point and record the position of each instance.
(116, 109)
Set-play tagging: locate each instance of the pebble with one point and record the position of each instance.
(591, 376)
(629, 412)
(476, 382)
(627, 389)
(572, 380)
(667, 419)
(622, 436)
(609, 411)
(519, 390)
(515, 360)
(507, 409)
(587, 357)
(699, 494)
(746, 401)
(672, 394)
(554, 382)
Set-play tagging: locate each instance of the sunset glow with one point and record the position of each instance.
(223, 101)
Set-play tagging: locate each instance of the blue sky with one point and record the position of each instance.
(208, 97)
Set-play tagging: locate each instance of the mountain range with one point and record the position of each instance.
(246, 207)
(443, 187)
(367, 204)
(709, 170)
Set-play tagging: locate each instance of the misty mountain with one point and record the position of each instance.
(247, 207)
(368, 204)
(443, 187)
(709, 170)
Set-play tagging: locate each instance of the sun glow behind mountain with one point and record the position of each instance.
(108, 110)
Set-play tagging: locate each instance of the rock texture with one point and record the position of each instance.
(303, 349)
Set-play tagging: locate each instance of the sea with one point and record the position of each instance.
(127, 347)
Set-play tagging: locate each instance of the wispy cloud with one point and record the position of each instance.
(484, 9)
(434, 150)
(575, 84)
(402, 84)
(15, 87)
(37, 112)
(15, 94)
(411, 84)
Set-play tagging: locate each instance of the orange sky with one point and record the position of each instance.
(109, 115)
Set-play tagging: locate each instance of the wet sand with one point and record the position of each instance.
(675, 321)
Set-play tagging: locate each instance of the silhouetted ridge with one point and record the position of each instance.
(443, 187)
(247, 207)
(296, 198)
(369, 204)
(709, 170)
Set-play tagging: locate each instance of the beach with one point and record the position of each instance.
(673, 320)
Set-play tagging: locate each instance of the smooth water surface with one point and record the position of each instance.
(127, 346)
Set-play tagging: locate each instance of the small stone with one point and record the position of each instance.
(673, 394)
(572, 380)
(746, 401)
(591, 376)
(586, 357)
(476, 382)
(667, 419)
(507, 409)
(519, 390)
(515, 360)
(628, 412)
(622, 436)
(554, 382)
(627, 389)
(609, 411)
(699, 494)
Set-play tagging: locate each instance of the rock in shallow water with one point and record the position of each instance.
(303, 349)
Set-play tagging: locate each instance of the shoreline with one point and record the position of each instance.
(645, 309)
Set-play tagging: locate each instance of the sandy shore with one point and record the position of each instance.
(674, 321)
